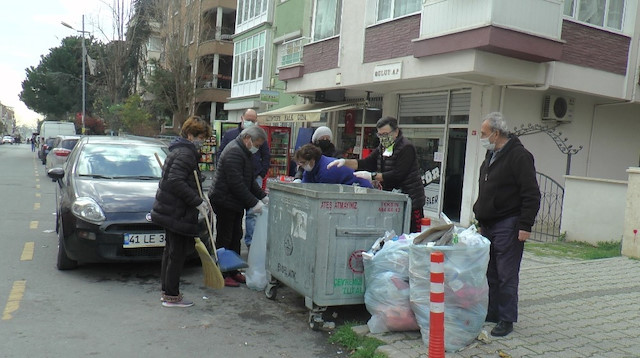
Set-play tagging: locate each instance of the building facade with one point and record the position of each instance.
(564, 74)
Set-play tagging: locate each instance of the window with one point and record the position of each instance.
(391, 9)
(249, 58)
(290, 52)
(249, 10)
(154, 44)
(326, 19)
(602, 13)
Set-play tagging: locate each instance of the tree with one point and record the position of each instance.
(54, 87)
(134, 118)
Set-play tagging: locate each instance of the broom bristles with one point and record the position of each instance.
(212, 275)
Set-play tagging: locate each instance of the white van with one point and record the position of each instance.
(51, 129)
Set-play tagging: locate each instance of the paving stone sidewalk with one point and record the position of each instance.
(568, 308)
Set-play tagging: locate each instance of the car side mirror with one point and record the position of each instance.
(55, 174)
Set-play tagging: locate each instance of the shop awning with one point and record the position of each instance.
(305, 112)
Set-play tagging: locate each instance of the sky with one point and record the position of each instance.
(30, 28)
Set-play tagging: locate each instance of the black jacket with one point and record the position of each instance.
(508, 187)
(234, 187)
(177, 196)
(399, 171)
(262, 158)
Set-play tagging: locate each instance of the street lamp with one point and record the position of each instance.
(84, 60)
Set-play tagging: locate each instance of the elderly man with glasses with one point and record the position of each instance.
(393, 165)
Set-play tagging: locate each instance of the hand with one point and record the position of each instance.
(297, 181)
(203, 208)
(363, 174)
(265, 200)
(257, 209)
(523, 235)
(337, 162)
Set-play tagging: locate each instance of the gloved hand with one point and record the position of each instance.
(337, 162)
(203, 208)
(257, 209)
(297, 180)
(265, 200)
(363, 174)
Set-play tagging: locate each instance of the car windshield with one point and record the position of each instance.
(120, 161)
(68, 143)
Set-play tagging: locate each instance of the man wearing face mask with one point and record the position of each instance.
(507, 205)
(235, 190)
(261, 161)
(310, 158)
(394, 165)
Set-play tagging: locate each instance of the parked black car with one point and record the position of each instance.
(45, 148)
(105, 194)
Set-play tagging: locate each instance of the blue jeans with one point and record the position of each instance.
(250, 220)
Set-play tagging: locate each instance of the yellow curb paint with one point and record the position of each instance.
(27, 251)
(33, 225)
(36, 206)
(15, 296)
(37, 195)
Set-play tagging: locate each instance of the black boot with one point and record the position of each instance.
(502, 329)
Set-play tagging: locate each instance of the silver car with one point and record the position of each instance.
(60, 150)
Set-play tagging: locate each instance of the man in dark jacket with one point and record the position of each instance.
(261, 161)
(235, 190)
(393, 165)
(177, 205)
(506, 208)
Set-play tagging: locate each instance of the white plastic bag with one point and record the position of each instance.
(256, 274)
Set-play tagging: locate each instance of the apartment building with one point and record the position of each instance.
(205, 29)
(564, 74)
(7, 120)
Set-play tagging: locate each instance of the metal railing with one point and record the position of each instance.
(547, 224)
(291, 51)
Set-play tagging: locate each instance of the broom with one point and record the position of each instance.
(212, 275)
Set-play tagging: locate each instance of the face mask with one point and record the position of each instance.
(324, 144)
(308, 167)
(253, 149)
(197, 143)
(386, 142)
(246, 124)
(487, 144)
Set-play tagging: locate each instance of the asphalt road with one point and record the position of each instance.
(114, 310)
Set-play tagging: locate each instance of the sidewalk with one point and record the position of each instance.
(568, 308)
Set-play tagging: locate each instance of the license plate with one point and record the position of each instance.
(132, 241)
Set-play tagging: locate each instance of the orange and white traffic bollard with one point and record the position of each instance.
(436, 314)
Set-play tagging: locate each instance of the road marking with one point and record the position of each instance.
(33, 225)
(37, 180)
(37, 195)
(37, 186)
(27, 251)
(15, 296)
(36, 206)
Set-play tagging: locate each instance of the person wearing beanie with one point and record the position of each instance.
(323, 138)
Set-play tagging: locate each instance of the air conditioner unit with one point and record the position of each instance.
(558, 108)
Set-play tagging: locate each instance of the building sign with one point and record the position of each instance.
(387, 72)
(269, 97)
(292, 117)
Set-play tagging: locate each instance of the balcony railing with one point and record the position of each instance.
(290, 52)
(223, 34)
(541, 18)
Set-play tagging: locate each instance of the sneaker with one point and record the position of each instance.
(181, 303)
(239, 278)
(230, 282)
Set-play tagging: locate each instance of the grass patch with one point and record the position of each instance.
(575, 250)
(358, 346)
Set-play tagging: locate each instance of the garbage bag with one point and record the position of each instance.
(387, 288)
(256, 274)
(466, 292)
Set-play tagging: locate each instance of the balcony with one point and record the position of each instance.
(525, 29)
(212, 4)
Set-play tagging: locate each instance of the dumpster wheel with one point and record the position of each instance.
(271, 291)
(316, 322)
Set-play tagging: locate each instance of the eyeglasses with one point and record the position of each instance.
(384, 135)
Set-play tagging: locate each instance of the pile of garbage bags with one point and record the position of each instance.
(397, 280)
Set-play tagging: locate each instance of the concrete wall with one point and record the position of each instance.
(593, 209)
(630, 241)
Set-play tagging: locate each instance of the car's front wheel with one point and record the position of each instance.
(64, 262)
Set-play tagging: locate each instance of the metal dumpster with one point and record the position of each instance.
(317, 234)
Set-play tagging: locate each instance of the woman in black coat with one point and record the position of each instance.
(177, 205)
